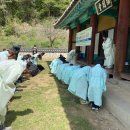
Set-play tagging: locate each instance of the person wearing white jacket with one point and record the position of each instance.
(10, 71)
(71, 57)
(108, 48)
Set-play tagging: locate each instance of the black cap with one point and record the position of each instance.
(16, 49)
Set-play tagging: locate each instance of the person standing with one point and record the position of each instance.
(34, 49)
(108, 48)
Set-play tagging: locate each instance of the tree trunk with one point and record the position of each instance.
(51, 41)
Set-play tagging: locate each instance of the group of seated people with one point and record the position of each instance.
(14, 69)
(86, 82)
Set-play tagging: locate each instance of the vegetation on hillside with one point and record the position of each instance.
(30, 10)
(30, 22)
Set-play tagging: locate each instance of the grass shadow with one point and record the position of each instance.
(12, 115)
(22, 86)
(15, 97)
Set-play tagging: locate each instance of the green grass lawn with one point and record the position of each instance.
(45, 104)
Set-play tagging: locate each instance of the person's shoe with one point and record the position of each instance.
(93, 108)
(83, 102)
(96, 109)
(91, 104)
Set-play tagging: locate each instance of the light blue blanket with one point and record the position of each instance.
(97, 84)
(79, 83)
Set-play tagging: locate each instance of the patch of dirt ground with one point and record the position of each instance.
(102, 120)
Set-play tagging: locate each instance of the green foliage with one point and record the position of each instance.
(19, 18)
(27, 41)
(44, 44)
(9, 30)
(28, 10)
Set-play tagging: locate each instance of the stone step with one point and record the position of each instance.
(124, 84)
(117, 102)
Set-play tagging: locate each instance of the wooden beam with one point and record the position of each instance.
(111, 12)
(121, 37)
(87, 50)
(78, 47)
(70, 40)
(93, 23)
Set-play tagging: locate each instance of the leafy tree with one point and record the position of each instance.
(50, 32)
(28, 10)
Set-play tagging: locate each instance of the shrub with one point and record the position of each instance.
(9, 29)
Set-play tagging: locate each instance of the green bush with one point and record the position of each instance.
(9, 30)
(44, 44)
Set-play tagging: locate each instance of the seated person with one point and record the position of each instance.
(34, 69)
(71, 57)
(35, 57)
(63, 59)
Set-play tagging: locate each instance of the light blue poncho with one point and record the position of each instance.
(69, 73)
(60, 70)
(79, 83)
(54, 65)
(97, 84)
(64, 71)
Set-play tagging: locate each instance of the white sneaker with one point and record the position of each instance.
(97, 109)
(83, 102)
(93, 108)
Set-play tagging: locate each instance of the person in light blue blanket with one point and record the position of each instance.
(60, 70)
(64, 72)
(54, 64)
(79, 83)
(69, 73)
(97, 85)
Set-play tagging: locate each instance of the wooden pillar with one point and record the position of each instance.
(115, 32)
(93, 23)
(87, 50)
(122, 36)
(87, 53)
(70, 40)
(78, 47)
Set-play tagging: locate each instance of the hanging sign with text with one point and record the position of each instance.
(103, 5)
(84, 37)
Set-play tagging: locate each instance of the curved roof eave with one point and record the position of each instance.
(72, 12)
(67, 11)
